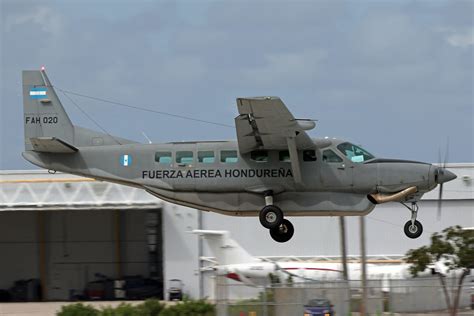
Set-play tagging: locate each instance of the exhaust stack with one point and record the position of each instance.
(379, 198)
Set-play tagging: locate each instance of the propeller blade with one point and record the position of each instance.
(446, 154)
(441, 171)
(439, 156)
(440, 199)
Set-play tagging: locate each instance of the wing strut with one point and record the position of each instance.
(295, 162)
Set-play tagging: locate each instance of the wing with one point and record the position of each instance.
(266, 123)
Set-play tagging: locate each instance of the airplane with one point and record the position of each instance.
(273, 170)
(234, 262)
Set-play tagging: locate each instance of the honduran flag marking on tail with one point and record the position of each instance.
(38, 93)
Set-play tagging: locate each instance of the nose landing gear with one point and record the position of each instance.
(413, 228)
(271, 217)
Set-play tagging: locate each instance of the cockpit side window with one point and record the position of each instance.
(354, 153)
(331, 156)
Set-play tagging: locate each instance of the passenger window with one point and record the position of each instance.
(229, 156)
(309, 155)
(284, 156)
(206, 156)
(184, 157)
(330, 156)
(163, 157)
(259, 155)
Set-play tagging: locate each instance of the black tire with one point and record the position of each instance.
(271, 216)
(283, 232)
(413, 232)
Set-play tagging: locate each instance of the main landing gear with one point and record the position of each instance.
(271, 217)
(413, 228)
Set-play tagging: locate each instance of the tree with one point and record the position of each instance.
(455, 248)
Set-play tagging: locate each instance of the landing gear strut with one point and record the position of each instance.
(271, 217)
(413, 228)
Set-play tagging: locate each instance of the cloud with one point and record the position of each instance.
(281, 68)
(46, 18)
(461, 39)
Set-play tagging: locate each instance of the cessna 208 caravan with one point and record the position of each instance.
(273, 170)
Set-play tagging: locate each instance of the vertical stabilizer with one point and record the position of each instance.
(44, 116)
(225, 249)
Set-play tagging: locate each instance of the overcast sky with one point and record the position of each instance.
(396, 77)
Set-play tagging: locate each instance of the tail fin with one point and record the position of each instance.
(225, 249)
(44, 116)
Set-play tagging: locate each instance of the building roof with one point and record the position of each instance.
(40, 190)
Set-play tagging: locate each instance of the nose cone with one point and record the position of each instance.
(444, 175)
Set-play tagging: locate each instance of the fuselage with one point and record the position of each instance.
(213, 176)
(258, 273)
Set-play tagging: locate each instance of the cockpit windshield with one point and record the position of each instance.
(354, 153)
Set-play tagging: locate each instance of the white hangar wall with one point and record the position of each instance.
(90, 205)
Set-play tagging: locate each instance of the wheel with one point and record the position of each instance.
(271, 216)
(413, 231)
(283, 232)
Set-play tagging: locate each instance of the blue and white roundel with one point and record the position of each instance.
(126, 160)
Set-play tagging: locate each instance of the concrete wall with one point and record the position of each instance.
(181, 247)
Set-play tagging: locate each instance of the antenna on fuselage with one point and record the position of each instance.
(147, 139)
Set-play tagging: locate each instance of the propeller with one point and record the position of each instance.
(442, 176)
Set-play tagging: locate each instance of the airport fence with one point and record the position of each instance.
(394, 296)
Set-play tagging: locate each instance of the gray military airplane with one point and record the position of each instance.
(273, 169)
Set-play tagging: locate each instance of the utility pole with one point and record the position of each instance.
(200, 255)
(363, 310)
(342, 231)
(345, 274)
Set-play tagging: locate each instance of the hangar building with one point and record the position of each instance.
(67, 231)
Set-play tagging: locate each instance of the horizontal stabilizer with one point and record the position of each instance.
(52, 145)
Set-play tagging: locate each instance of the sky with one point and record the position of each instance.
(393, 76)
